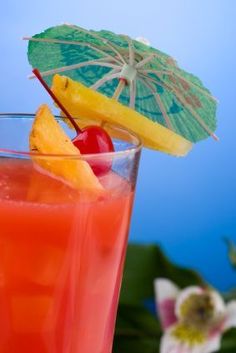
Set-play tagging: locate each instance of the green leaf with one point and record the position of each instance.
(143, 264)
(228, 343)
(137, 321)
(136, 345)
(231, 295)
(231, 252)
(137, 330)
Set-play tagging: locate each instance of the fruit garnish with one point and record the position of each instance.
(91, 139)
(83, 101)
(94, 139)
(48, 137)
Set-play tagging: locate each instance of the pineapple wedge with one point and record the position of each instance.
(82, 101)
(48, 137)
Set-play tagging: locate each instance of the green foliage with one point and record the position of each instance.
(231, 252)
(231, 295)
(144, 263)
(138, 329)
(229, 342)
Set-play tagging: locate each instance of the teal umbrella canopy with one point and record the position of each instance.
(132, 72)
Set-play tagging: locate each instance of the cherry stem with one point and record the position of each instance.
(56, 100)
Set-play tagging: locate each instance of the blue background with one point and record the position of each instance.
(188, 204)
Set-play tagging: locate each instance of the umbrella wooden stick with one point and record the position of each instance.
(132, 94)
(159, 102)
(183, 90)
(195, 115)
(169, 72)
(76, 66)
(162, 72)
(119, 88)
(131, 53)
(131, 50)
(72, 42)
(109, 45)
(186, 105)
(110, 76)
(194, 85)
(144, 61)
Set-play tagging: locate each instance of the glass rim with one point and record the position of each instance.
(11, 153)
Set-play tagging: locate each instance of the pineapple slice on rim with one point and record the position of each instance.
(82, 101)
(48, 138)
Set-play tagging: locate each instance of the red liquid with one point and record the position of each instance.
(61, 261)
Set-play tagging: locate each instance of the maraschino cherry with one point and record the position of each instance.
(90, 140)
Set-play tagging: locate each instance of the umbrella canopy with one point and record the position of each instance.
(132, 72)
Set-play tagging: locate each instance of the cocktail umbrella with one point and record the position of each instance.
(132, 72)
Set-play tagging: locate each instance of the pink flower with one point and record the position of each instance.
(193, 319)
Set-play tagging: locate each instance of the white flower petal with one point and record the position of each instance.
(230, 320)
(166, 293)
(165, 289)
(170, 344)
(218, 302)
(196, 349)
(211, 345)
(184, 294)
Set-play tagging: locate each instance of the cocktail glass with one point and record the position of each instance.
(61, 251)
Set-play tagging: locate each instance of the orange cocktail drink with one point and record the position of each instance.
(61, 252)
